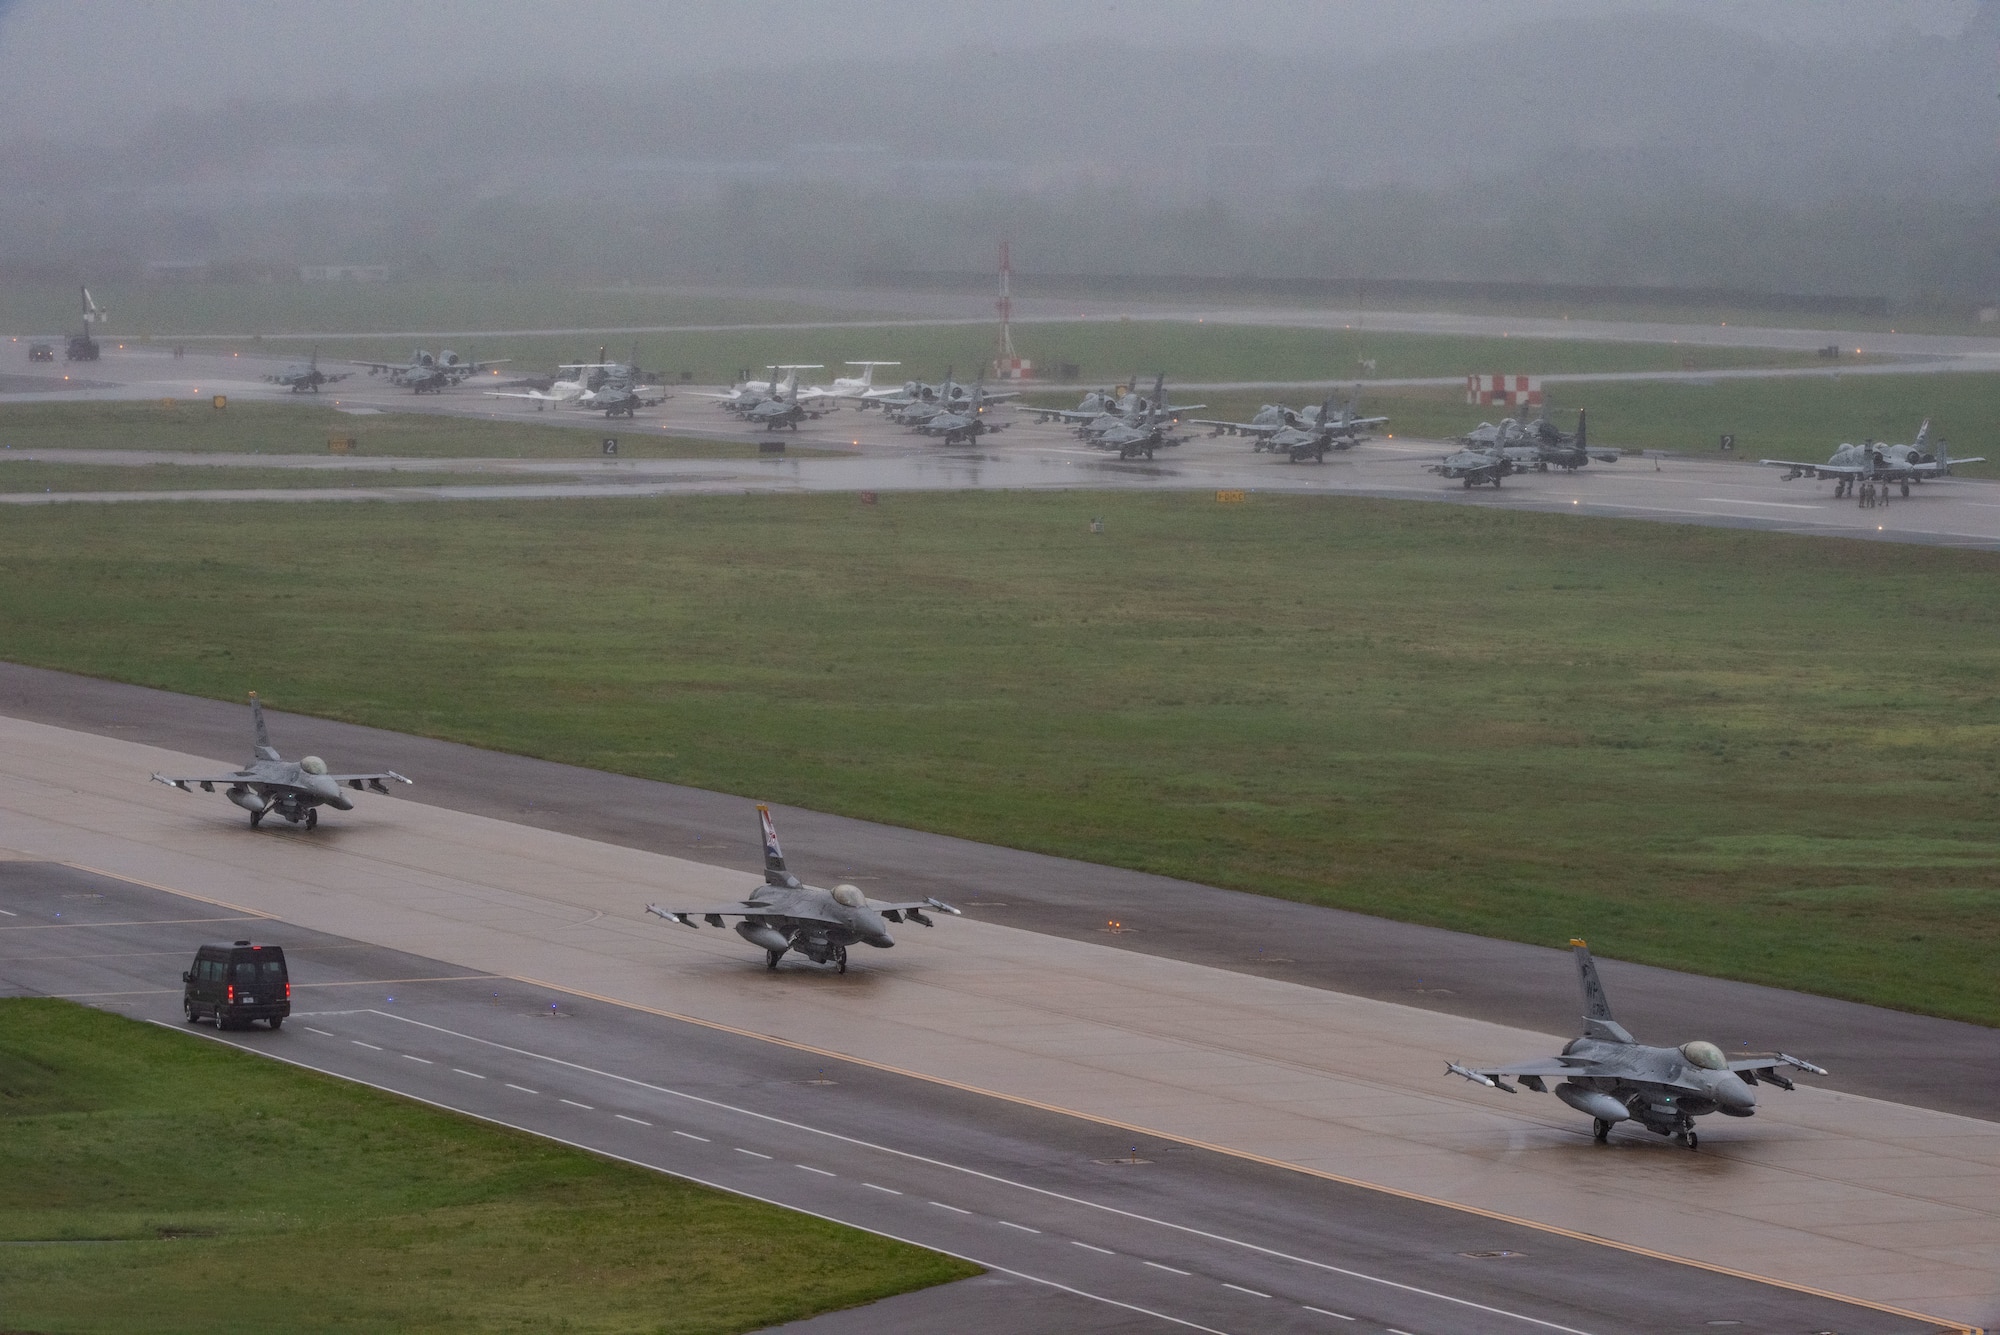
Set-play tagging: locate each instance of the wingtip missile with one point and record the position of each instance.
(943, 907)
(172, 783)
(671, 916)
(1801, 1064)
(1453, 1068)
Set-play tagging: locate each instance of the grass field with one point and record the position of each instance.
(1106, 352)
(1786, 418)
(305, 428)
(1738, 753)
(327, 1206)
(162, 310)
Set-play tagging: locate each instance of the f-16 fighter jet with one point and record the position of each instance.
(1475, 465)
(294, 789)
(963, 425)
(1874, 461)
(308, 378)
(1613, 1077)
(782, 914)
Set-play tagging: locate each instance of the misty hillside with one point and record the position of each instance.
(1630, 149)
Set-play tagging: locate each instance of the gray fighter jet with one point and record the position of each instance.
(782, 914)
(1615, 1078)
(294, 789)
(428, 374)
(966, 424)
(1475, 465)
(308, 378)
(1875, 461)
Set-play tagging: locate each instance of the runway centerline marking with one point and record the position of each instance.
(574, 1104)
(1340, 1316)
(752, 1153)
(1008, 1223)
(1104, 1251)
(994, 1266)
(1188, 1229)
(810, 1169)
(321, 1032)
(872, 1187)
(1169, 1269)
(425, 1060)
(1240, 1289)
(953, 1208)
(524, 1089)
(359, 1044)
(692, 1136)
(635, 1121)
(460, 1070)
(1776, 505)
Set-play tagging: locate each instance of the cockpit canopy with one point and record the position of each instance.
(849, 895)
(1705, 1055)
(313, 765)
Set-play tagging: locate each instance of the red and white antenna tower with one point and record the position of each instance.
(1008, 365)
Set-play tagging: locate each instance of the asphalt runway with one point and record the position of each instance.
(1824, 1190)
(1913, 1059)
(1083, 1228)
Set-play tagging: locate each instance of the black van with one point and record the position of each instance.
(236, 984)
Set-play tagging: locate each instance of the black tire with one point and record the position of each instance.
(187, 1009)
(1693, 1140)
(277, 1022)
(841, 959)
(255, 817)
(222, 1022)
(1600, 1130)
(312, 818)
(771, 958)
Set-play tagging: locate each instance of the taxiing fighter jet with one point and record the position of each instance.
(1475, 465)
(308, 378)
(783, 914)
(964, 424)
(1615, 1078)
(294, 789)
(426, 373)
(1874, 461)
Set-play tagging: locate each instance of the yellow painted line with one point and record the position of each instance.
(1959, 1327)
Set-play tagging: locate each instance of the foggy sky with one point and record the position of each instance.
(95, 70)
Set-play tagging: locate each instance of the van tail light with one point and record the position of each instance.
(288, 989)
(232, 994)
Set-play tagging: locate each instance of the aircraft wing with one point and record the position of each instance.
(1362, 421)
(373, 781)
(384, 366)
(1065, 414)
(1765, 1067)
(1814, 470)
(1954, 462)
(913, 910)
(534, 394)
(714, 917)
(207, 781)
(1238, 428)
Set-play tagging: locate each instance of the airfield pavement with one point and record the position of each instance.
(1825, 1190)
(1027, 456)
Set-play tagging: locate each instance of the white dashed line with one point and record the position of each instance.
(872, 1187)
(10, 913)
(524, 1089)
(810, 1169)
(462, 1071)
(1342, 1316)
(953, 1208)
(359, 1044)
(574, 1104)
(692, 1136)
(1169, 1269)
(321, 1032)
(1393, 1331)
(1087, 1247)
(633, 1120)
(425, 1060)
(1240, 1289)
(1008, 1223)
(752, 1153)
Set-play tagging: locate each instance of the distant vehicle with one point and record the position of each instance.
(427, 373)
(784, 914)
(962, 426)
(308, 378)
(1873, 461)
(41, 352)
(237, 983)
(295, 789)
(1613, 1077)
(82, 347)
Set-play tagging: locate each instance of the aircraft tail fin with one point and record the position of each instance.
(1597, 1021)
(1159, 404)
(1923, 436)
(265, 751)
(1582, 440)
(774, 856)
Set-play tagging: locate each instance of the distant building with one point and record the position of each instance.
(344, 273)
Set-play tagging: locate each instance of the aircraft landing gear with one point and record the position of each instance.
(1906, 488)
(312, 818)
(840, 957)
(255, 817)
(1600, 1130)
(771, 958)
(1688, 1137)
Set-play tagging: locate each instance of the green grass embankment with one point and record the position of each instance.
(153, 1182)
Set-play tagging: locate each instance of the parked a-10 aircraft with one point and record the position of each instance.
(308, 378)
(294, 789)
(1873, 461)
(783, 914)
(1613, 1077)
